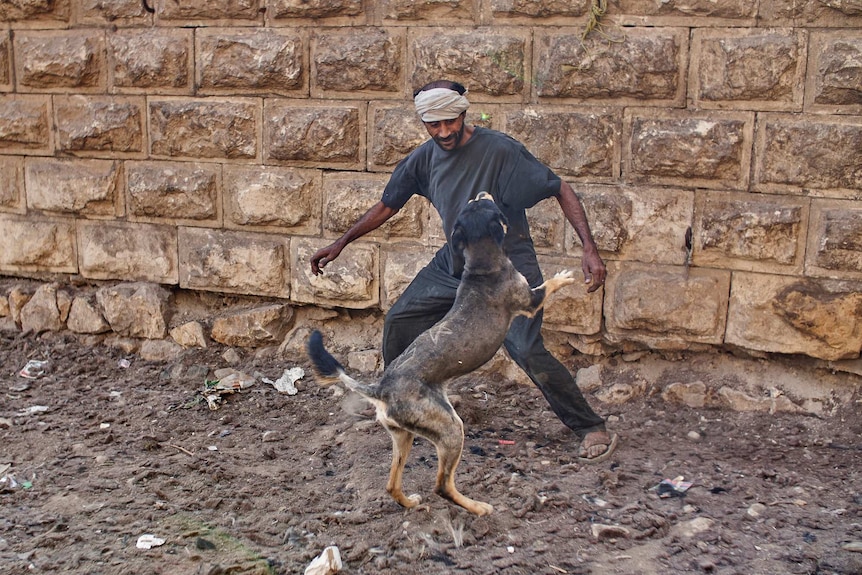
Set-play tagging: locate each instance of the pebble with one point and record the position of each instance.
(855, 546)
(694, 436)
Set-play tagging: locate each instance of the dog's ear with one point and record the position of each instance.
(456, 247)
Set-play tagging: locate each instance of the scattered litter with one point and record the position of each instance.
(675, 487)
(213, 447)
(104, 425)
(506, 442)
(35, 368)
(227, 382)
(148, 541)
(326, 563)
(32, 410)
(286, 383)
(510, 549)
(598, 502)
(124, 363)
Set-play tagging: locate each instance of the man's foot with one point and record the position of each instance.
(597, 446)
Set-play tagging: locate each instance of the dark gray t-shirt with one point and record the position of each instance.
(490, 161)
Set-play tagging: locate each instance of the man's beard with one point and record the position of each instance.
(456, 138)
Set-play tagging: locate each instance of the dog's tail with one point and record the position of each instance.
(328, 369)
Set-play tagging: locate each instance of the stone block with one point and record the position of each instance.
(347, 196)
(709, 150)
(834, 83)
(85, 187)
(819, 155)
(697, 12)
(315, 134)
(128, 251)
(400, 266)
(528, 11)
(752, 69)
(583, 144)
(435, 13)
(810, 14)
(265, 325)
(98, 124)
(637, 223)
(334, 11)
(5, 62)
(791, 315)
(41, 312)
(645, 67)
(356, 63)
(234, 262)
(572, 309)
(60, 60)
(12, 185)
(135, 309)
(86, 317)
(225, 129)
(151, 60)
(396, 131)
(547, 226)
(36, 12)
(250, 61)
(752, 232)
(177, 192)
(835, 240)
(115, 13)
(34, 244)
(25, 124)
(665, 307)
(492, 62)
(269, 198)
(189, 334)
(213, 12)
(351, 281)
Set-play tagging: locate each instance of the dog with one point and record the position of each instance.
(410, 398)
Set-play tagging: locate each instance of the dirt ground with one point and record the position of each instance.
(105, 447)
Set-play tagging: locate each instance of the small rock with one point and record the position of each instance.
(854, 546)
(231, 356)
(756, 510)
(601, 531)
(694, 436)
(5, 423)
(326, 563)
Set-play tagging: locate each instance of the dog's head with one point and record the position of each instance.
(479, 221)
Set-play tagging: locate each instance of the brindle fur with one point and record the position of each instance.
(410, 398)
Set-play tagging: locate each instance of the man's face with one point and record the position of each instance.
(447, 133)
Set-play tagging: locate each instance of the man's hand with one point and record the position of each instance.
(594, 270)
(323, 256)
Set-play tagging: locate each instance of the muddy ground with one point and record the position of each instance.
(122, 447)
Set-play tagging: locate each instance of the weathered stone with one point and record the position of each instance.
(160, 350)
(347, 196)
(85, 317)
(314, 8)
(5, 62)
(100, 124)
(365, 361)
(835, 239)
(18, 298)
(835, 76)
(785, 146)
(349, 282)
(234, 262)
(64, 304)
(694, 149)
(828, 14)
(636, 11)
(537, 8)
(492, 63)
(173, 190)
(189, 334)
(59, 60)
(41, 313)
(33, 244)
(737, 400)
(691, 394)
(604, 532)
(692, 307)
(135, 309)
(349, 61)
(287, 199)
(750, 232)
(818, 318)
(116, 12)
(249, 60)
(400, 266)
(211, 10)
(253, 328)
(582, 143)
(332, 134)
(397, 131)
(572, 309)
(547, 226)
(12, 185)
(151, 58)
(5, 310)
(647, 66)
(637, 223)
(118, 250)
(762, 68)
(25, 124)
(223, 129)
(87, 187)
(35, 10)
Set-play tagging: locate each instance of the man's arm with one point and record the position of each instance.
(592, 264)
(373, 219)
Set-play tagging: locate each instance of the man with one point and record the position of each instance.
(458, 162)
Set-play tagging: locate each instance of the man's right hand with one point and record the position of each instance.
(323, 256)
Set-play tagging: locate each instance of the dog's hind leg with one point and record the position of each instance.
(402, 441)
(449, 446)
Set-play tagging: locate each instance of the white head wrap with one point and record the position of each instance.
(439, 104)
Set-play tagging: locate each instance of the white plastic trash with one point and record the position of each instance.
(148, 541)
(326, 563)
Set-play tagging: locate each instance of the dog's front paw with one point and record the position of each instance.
(414, 500)
(565, 275)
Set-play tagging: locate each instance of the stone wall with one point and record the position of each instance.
(214, 146)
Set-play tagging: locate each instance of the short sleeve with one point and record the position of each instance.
(528, 182)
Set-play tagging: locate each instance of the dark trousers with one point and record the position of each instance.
(427, 299)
